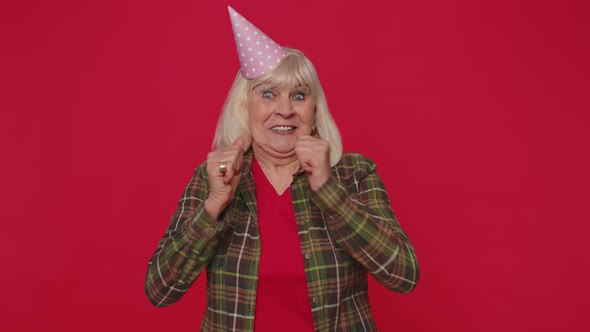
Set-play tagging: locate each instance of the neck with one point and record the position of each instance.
(278, 171)
(287, 165)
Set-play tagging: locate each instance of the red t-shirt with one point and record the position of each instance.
(282, 303)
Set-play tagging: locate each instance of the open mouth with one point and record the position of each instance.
(283, 129)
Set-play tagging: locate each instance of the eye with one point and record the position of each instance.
(267, 94)
(299, 96)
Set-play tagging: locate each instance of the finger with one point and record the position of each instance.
(231, 156)
(239, 163)
(235, 181)
(240, 141)
(230, 172)
(306, 166)
(222, 168)
(233, 160)
(234, 169)
(228, 177)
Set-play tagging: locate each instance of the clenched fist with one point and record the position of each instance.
(314, 157)
(222, 186)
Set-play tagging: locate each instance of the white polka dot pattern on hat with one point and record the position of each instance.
(254, 47)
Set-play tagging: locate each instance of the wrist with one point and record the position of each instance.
(317, 182)
(212, 208)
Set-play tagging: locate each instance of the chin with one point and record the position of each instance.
(282, 148)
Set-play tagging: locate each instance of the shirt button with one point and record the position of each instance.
(307, 255)
(207, 230)
(180, 282)
(294, 187)
(300, 222)
(315, 300)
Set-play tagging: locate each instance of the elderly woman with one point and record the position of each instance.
(286, 226)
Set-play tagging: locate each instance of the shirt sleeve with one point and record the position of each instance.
(361, 221)
(187, 246)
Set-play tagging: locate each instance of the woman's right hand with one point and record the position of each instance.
(223, 186)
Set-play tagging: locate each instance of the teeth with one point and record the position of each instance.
(282, 128)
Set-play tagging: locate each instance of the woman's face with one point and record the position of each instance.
(278, 115)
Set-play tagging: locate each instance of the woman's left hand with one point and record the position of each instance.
(314, 157)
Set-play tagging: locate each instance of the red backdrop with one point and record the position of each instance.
(476, 112)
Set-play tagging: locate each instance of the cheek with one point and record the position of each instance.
(255, 114)
(256, 119)
(309, 115)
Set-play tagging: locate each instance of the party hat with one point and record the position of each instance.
(256, 51)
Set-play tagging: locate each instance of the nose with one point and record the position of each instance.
(285, 107)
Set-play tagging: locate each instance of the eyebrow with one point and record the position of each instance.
(300, 87)
(303, 87)
(280, 84)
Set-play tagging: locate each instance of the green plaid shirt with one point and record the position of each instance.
(346, 229)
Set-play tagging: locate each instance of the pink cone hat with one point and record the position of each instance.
(256, 51)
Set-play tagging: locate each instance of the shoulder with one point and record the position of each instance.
(201, 170)
(202, 167)
(353, 163)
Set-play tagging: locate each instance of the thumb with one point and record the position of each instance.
(240, 142)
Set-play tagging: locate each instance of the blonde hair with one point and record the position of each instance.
(295, 68)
